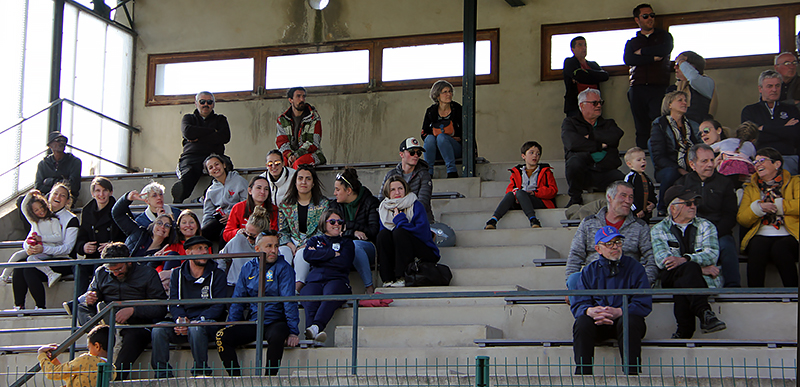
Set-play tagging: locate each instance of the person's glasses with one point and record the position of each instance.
(688, 203)
(646, 16)
(61, 140)
(612, 244)
(762, 160)
(415, 152)
(249, 237)
(271, 164)
(164, 224)
(115, 271)
(789, 63)
(333, 222)
(340, 177)
(706, 130)
(596, 103)
(206, 101)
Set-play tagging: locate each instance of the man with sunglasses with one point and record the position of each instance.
(686, 251)
(648, 55)
(786, 66)
(414, 170)
(598, 318)
(590, 147)
(58, 166)
(204, 132)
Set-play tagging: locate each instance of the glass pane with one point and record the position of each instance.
(216, 76)
(319, 69)
(604, 47)
(742, 37)
(433, 61)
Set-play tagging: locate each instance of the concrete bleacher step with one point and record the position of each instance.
(416, 336)
(468, 186)
(494, 256)
(527, 277)
(557, 239)
(476, 220)
(455, 301)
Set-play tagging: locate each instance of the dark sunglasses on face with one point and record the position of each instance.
(646, 16)
(206, 101)
(688, 203)
(415, 152)
(248, 236)
(335, 222)
(274, 163)
(596, 103)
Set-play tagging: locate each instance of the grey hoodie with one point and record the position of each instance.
(224, 196)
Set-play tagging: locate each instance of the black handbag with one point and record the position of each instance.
(421, 273)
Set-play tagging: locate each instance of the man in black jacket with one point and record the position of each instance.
(579, 75)
(590, 147)
(116, 281)
(718, 205)
(204, 132)
(195, 279)
(58, 166)
(415, 171)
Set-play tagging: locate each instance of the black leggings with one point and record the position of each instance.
(32, 279)
(397, 249)
(230, 337)
(782, 251)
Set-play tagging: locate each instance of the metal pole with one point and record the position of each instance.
(355, 337)
(55, 64)
(103, 373)
(468, 86)
(482, 371)
(76, 293)
(260, 322)
(626, 335)
(112, 335)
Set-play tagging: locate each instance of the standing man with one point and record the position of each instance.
(590, 147)
(579, 74)
(598, 318)
(115, 281)
(778, 122)
(686, 251)
(281, 319)
(718, 205)
(415, 172)
(197, 278)
(648, 55)
(300, 131)
(204, 132)
(786, 66)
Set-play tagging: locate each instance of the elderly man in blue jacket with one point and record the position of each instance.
(598, 318)
(281, 319)
(197, 278)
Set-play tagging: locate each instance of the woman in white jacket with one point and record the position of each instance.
(227, 189)
(278, 175)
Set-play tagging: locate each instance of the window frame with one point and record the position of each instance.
(786, 14)
(375, 84)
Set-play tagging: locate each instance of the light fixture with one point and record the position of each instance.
(318, 4)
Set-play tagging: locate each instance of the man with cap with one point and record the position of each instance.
(196, 278)
(599, 317)
(415, 171)
(58, 166)
(686, 251)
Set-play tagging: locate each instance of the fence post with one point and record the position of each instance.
(103, 374)
(482, 371)
(626, 335)
(354, 353)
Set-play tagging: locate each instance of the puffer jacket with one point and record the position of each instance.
(663, 146)
(790, 190)
(366, 219)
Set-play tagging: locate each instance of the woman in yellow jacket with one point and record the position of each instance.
(770, 209)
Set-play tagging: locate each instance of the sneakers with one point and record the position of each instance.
(399, 283)
(710, 323)
(535, 223)
(313, 333)
(68, 307)
(6, 279)
(491, 224)
(53, 278)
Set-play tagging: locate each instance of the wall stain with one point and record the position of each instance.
(353, 122)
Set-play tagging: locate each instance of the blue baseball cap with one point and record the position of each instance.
(606, 234)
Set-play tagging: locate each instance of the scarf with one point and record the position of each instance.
(152, 216)
(771, 190)
(683, 141)
(404, 204)
(350, 209)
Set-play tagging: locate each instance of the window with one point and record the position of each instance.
(726, 38)
(354, 66)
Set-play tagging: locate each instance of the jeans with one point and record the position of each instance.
(448, 148)
(365, 257)
(729, 260)
(667, 178)
(197, 338)
(572, 284)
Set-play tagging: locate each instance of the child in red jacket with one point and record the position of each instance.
(532, 187)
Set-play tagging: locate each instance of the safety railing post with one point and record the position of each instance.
(104, 374)
(482, 371)
(355, 337)
(260, 321)
(76, 269)
(626, 336)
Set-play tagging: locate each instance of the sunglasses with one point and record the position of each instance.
(762, 160)
(646, 16)
(415, 152)
(333, 222)
(705, 130)
(248, 236)
(688, 203)
(206, 101)
(340, 177)
(163, 224)
(595, 103)
(274, 163)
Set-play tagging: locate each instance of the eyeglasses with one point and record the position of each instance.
(789, 63)
(115, 271)
(164, 224)
(60, 139)
(340, 177)
(595, 103)
(688, 203)
(646, 16)
(206, 101)
(415, 152)
(612, 244)
(762, 160)
(274, 163)
(335, 222)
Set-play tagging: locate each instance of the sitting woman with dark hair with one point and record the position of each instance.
(188, 226)
(257, 196)
(143, 241)
(330, 256)
(405, 232)
(227, 189)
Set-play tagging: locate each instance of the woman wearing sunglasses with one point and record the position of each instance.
(299, 215)
(770, 208)
(279, 176)
(331, 256)
(405, 233)
(671, 137)
(143, 241)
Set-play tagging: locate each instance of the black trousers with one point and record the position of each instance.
(134, 341)
(32, 280)
(190, 170)
(397, 249)
(686, 308)
(585, 334)
(782, 251)
(521, 199)
(230, 337)
(645, 101)
(581, 174)
(213, 232)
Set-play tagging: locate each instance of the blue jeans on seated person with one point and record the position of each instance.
(667, 178)
(572, 284)
(729, 260)
(448, 148)
(365, 257)
(198, 338)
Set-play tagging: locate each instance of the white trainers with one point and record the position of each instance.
(321, 337)
(6, 279)
(53, 278)
(312, 332)
(388, 284)
(401, 283)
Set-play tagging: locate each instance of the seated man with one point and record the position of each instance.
(415, 171)
(686, 251)
(618, 214)
(590, 147)
(118, 281)
(195, 278)
(281, 319)
(718, 205)
(598, 318)
(300, 131)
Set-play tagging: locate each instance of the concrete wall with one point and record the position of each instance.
(369, 127)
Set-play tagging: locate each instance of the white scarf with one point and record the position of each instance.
(404, 204)
(150, 215)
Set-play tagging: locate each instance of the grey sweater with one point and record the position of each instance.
(224, 196)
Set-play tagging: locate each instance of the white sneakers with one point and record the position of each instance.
(313, 333)
(395, 284)
(53, 278)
